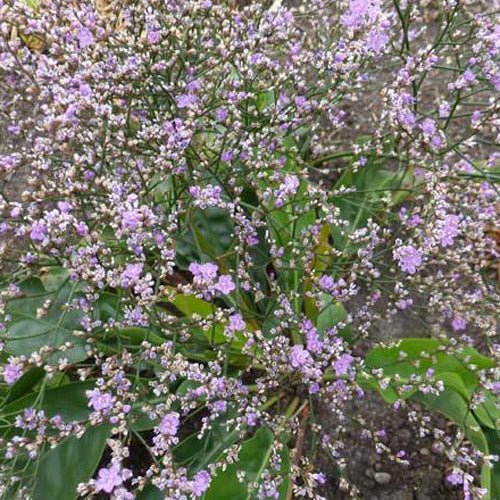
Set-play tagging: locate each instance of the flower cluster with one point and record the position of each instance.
(217, 202)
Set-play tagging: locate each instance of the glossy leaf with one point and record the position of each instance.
(71, 462)
(253, 459)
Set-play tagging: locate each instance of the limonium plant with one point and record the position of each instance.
(206, 210)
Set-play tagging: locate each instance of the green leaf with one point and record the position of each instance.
(150, 492)
(68, 401)
(25, 384)
(136, 335)
(198, 453)
(381, 357)
(27, 333)
(331, 314)
(189, 305)
(453, 406)
(252, 460)
(71, 462)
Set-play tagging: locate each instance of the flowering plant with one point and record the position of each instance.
(204, 204)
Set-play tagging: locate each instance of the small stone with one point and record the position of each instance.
(425, 452)
(369, 473)
(382, 477)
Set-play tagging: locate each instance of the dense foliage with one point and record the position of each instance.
(205, 211)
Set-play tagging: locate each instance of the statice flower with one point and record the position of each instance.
(409, 258)
(299, 357)
(12, 371)
(100, 401)
(169, 424)
(225, 284)
(201, 482)
(110, 478)
(343, 364)
(448, 230)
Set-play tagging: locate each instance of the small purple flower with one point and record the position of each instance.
(409, 258)
(221, 114)
(100, 401)
(131, 274)
(108, 479)
(201, 482)
(377, 40)
(187, 100)
(85, 90)
(12, 372)
(220, 406)
(85, 37)
(236, 323)
(342, 365)
(131, 219)
(153, 37)
(206, 272)
(428, 126)
(458, 324)
(454, 478)
(449, 230)
(326, 282)
(299, 357)
(38, 231)
(225, 284)
(169, 424)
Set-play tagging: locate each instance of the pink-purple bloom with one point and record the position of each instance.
(409, 258)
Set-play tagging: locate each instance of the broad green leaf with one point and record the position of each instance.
(71, 462)
(381, 357)
(199, 453)
(69, 401)
(453, 406)
(252, 460)
(27, 332)
(150, 492)
(332, 313)
(136, 335)
(25, 384)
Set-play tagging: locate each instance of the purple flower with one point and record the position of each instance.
(225, 284)
(221, 114)
(377, 40)
(12, 372)
(169, 424)
(187, 100)
(201, 482)
(236, 323)
(326, 282)
(108, 479)
(449, 230)
(38, 231)
(85, 90)
(220, 406)
(409, 258)
(154, 36)
(206, 272)
(458, 323)
(299, 357)
(85, 37)
(428, 126)
(131, 274)
(454, 478)
(100, 401)
(342, 365)
(131, 219)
